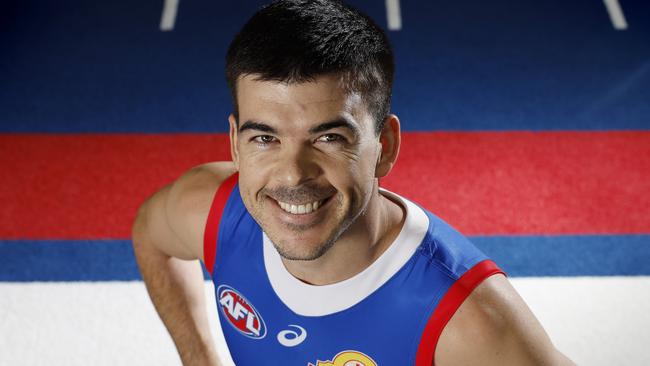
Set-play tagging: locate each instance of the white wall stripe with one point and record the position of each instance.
(394, 14)
(616, 14)
(594, 320)
(168, 18)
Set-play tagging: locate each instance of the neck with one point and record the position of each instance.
(362, 243)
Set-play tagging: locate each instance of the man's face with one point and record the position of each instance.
(306, 154)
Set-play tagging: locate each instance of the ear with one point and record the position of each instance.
(234, 154)
(390, 140)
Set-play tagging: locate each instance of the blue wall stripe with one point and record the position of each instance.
(519, 256)
(574, 255)
(68, 260)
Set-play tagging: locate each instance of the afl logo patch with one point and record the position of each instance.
(240, 313)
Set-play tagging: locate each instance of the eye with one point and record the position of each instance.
(264, 139)
(331, 137)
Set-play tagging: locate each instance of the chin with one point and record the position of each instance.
(301, 250)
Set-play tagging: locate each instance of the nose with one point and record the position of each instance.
(296, 165)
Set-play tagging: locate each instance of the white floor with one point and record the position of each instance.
(595, 321)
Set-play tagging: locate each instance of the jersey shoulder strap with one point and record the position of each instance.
(465, 265)
(217, 209)
(448, 306)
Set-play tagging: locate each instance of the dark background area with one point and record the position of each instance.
(89, 66)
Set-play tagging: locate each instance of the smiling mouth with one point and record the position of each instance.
(301, 209)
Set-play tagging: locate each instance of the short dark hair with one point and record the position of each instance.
(295, 41)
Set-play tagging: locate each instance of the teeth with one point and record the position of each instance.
(300, 209)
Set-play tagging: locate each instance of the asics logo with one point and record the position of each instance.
(292, 338)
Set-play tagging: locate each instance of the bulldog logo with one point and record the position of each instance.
(348, 358)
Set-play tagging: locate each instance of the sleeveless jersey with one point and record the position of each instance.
(392, 313)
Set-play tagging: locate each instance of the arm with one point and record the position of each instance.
(168, 241)
(494, 326)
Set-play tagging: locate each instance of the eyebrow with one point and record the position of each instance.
(257, 126)
(326, 126)
(337, 123)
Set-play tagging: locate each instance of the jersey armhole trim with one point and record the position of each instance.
(211, 234)
(447, 307)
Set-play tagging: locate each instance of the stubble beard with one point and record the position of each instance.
(289, 252)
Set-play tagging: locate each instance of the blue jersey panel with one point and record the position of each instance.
(384, 328)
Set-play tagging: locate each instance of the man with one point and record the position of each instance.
(313, 263)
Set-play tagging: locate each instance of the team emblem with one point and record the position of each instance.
(348, 358)
(241, 314)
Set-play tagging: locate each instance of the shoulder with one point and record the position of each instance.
(192, 193)
(494, 326)
(175, 217)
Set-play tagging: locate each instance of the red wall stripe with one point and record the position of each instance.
(530, 183)
(88, 186)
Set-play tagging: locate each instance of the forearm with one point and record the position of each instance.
(176, 289)
(563, 360)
